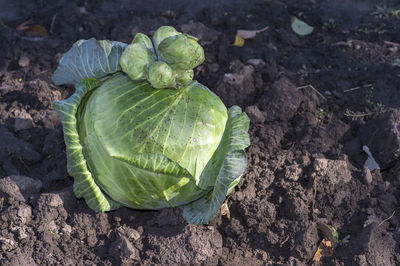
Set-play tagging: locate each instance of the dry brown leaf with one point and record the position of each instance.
(325, 249)
(242, 35)
(225, 209)
(249, 34)
(32, 29)
(239, 41)
(37, 30)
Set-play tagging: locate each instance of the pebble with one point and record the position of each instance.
(23, 61)
(255, 115)
(256, 63)
(367, 175)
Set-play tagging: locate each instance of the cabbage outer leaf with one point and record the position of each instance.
(223, 171)
(89, 59)
(84, 185)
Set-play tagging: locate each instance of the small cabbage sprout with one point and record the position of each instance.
(137, 57)
(160, 75)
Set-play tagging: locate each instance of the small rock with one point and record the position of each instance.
(22, 233)
(256, 63)
(293, 172)
(52, 227)
(256, 116)
(24, 212)
(367, 175)
(7, 244)
(82, 10)
(67, 229)
(23, 120)
(133, 234)
(23, 61)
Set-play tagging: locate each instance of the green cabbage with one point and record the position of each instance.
(146, 143)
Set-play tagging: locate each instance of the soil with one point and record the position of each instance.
(314, 101)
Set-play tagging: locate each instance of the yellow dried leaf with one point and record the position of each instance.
(325, 249)
(37, 30)
(239, 41)
(32, 29)
(225, 209)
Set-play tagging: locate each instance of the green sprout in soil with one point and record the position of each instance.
(304, 72)
(331, 24)
(369, 99)
(383, 11)
(319, 115)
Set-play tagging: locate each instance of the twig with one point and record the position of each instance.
(359, 115)
(392, 43)
(312, 87)
(359, 87)
(53, 19)
(387, 218)
(315, 193)
(284, 241)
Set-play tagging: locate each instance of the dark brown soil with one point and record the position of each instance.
(305, 164)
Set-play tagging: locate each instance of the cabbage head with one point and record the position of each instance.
(140, 133)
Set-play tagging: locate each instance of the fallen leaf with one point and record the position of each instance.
(225, 209)
(239, 41)
(325, 249)
(32, 29)
(242, 35)
(300, 27)
(37, 30)
(250, 34)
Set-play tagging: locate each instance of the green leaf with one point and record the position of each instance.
(300, 27)
(84, 185)
(223, 171)
(88, 59)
